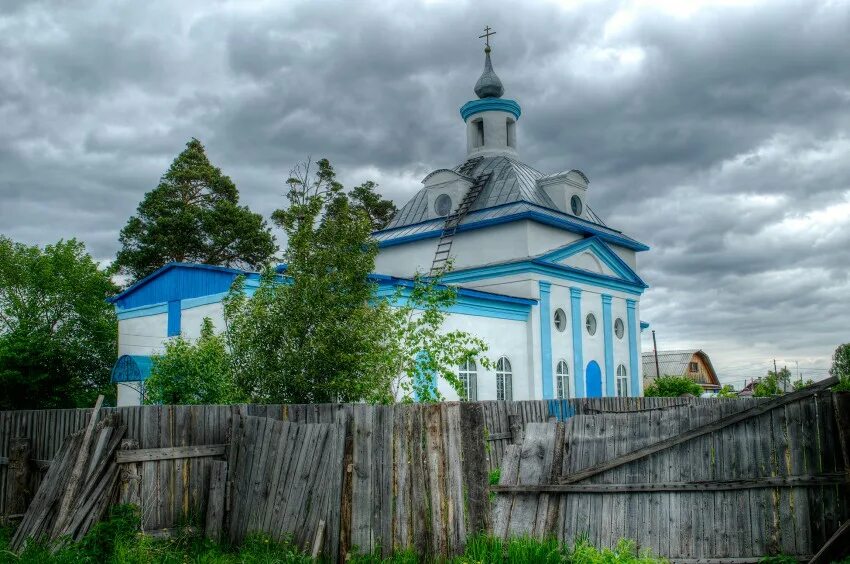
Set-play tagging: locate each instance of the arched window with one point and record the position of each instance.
(622, 381)
(504, 380)
(468, 376)
(562, 377)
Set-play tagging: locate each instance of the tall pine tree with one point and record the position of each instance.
(193, 216)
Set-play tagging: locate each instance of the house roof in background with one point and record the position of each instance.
(674, 363)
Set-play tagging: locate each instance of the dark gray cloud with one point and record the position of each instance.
(717, 132)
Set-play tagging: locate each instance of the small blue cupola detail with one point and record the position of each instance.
(132, 368)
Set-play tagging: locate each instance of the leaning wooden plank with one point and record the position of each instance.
(835, 548)
(169, 453)
(832, 478)
(77, 471)
(36, 520)
(722, 423)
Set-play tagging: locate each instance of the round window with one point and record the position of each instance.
(443, 205)
(560, 319)
(590, 324)
(619, 329)
(576, 205)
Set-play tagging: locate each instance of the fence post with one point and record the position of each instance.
(17, 482)
(131, 477)
(516, 428)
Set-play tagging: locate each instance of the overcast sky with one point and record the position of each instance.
(716, 132)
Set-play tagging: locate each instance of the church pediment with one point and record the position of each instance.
(594, 256)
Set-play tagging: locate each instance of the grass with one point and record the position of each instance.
(116, 540)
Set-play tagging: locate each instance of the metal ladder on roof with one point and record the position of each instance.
(444, 246)
(467, 167)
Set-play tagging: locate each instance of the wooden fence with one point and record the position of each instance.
(416, 475)
(690, 482)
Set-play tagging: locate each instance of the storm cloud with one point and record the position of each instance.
(717, 132)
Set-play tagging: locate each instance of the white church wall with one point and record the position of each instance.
(491, 245)
(128, 393)
(517, 285)
(142, 336)
(544, 238)
(593, 346)
(504, 337)
(562, 341)
(192, 318)
(404, 260)
(621, 346)
(587, 260)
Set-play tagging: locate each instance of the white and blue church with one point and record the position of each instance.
(551, 289)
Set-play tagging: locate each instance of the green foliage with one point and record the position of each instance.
(727, 391)
(526, 550)
(417, 351)
(841, 368)
(323, 335)
(800, 384)
(494, 476)
(57, 332)
(192, 372)
(773, 384)
(117, 540)
(193, 215)
(314, 338)
(378, 210)
(672, 387)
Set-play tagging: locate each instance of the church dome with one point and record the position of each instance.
(488, 85)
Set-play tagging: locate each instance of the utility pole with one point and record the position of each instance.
(655, 350)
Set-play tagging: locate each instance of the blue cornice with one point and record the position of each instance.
(557, 271)
(534, 215)
(490, 105)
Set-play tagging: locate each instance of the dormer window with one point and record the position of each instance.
(443, 205)
(576, 205)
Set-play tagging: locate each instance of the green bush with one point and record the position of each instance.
(672, 387)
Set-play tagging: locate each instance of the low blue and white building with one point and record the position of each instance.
(551, 289)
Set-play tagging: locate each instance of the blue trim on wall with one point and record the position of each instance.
(548, 269)
(634, 335)
(546, 339)
(610, 391)
(578, 352)
(574, 225)
(174, 314)
(141, 311)
(490, 105)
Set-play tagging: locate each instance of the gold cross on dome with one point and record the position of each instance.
(486, 36)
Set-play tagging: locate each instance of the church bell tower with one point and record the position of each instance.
(490, 120)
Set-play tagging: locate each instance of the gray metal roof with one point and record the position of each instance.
(510, 181)
(512, 188)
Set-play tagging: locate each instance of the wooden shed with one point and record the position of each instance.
(691, 363)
